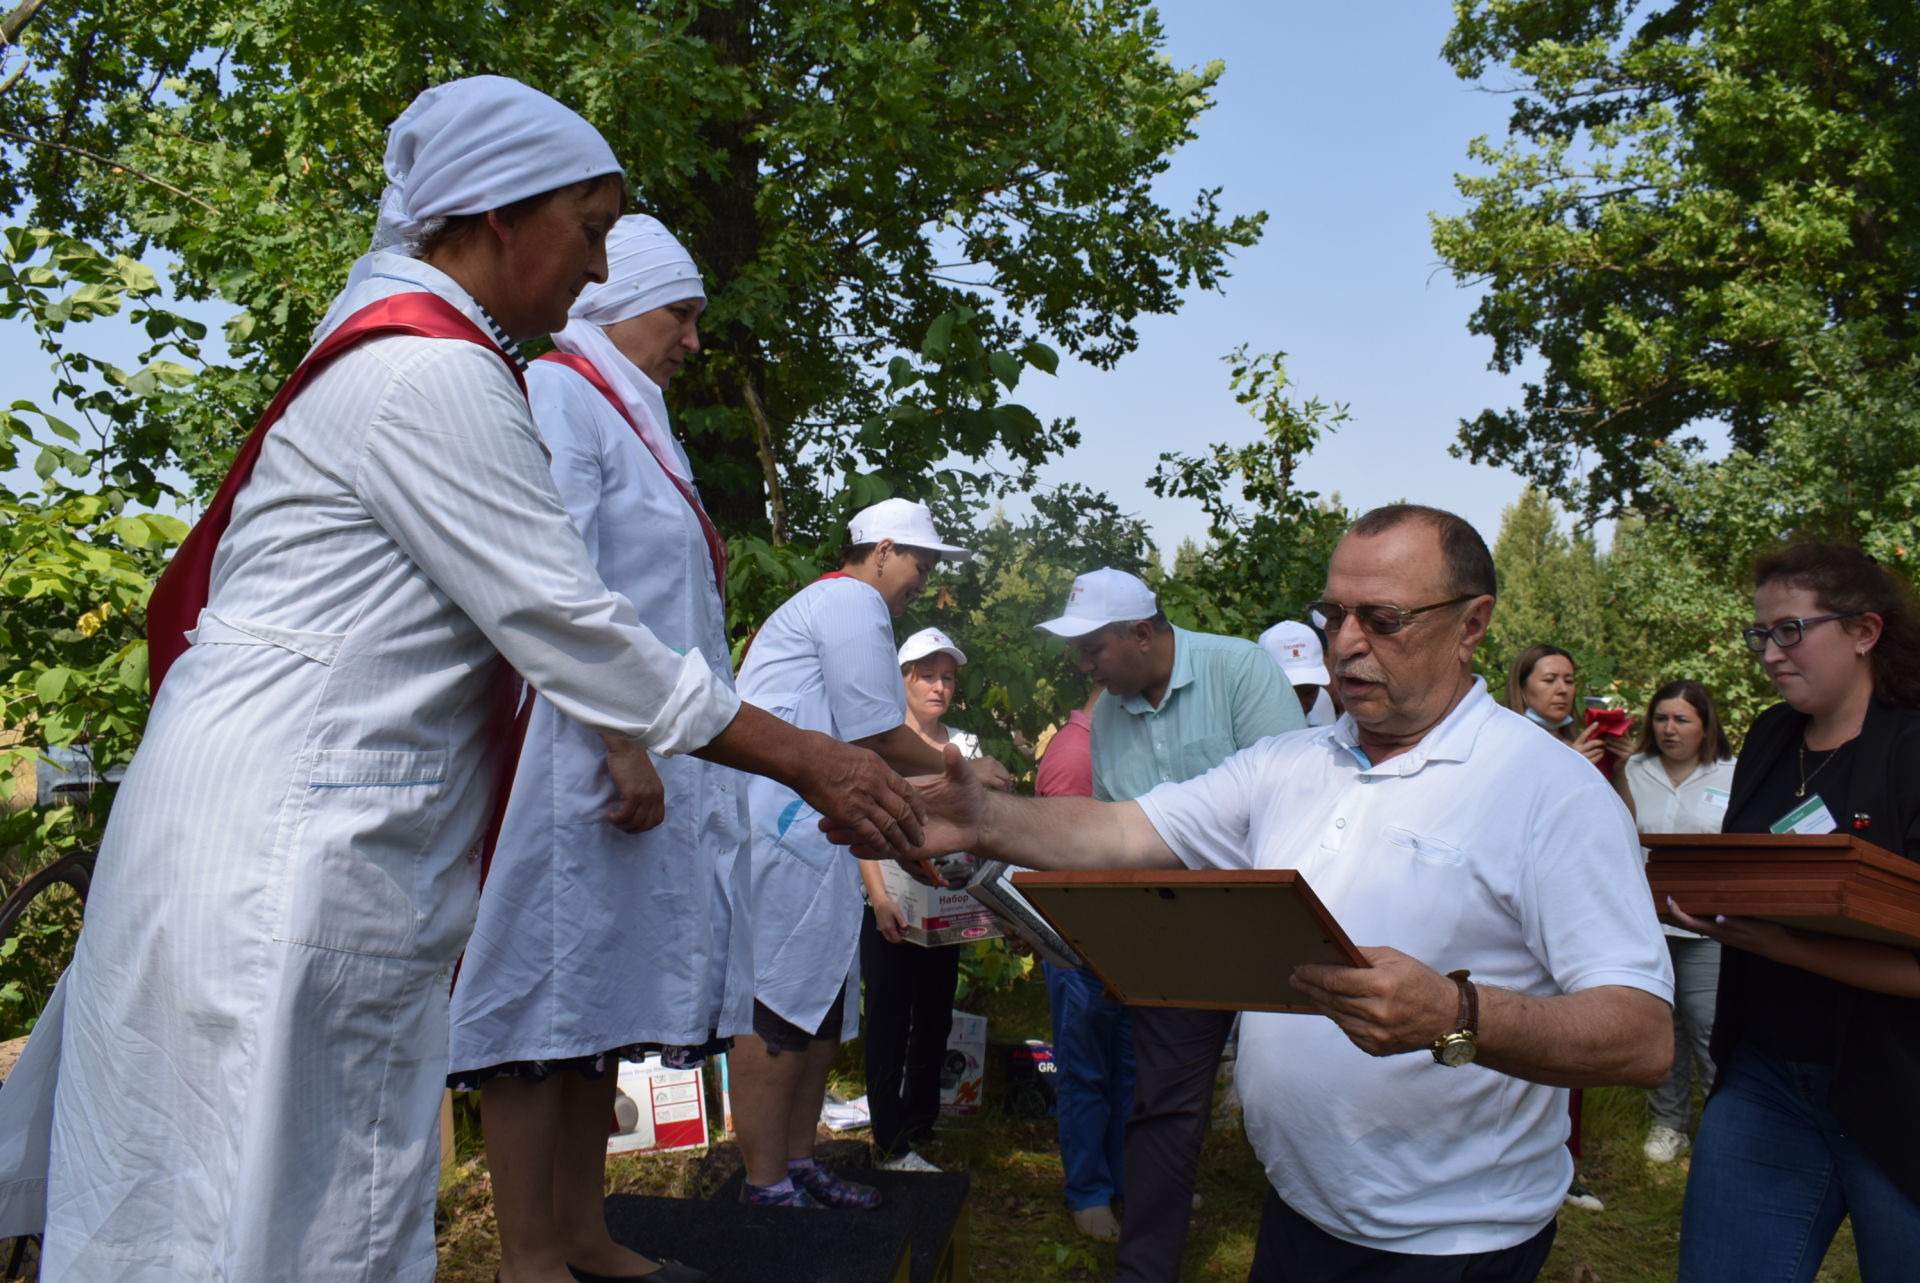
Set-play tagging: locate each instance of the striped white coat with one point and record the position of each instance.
(590, 938)
(250, 1044)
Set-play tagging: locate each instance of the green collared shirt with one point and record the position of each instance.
(1225, 694)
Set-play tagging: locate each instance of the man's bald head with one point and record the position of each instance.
(1469, 564)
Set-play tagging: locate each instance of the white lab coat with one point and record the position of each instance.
(825, 662)
(245, 1058)
(590, 938)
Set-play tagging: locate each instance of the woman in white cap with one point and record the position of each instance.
(239, 1076)
(824, 660)
(909, 987)
(595, 945)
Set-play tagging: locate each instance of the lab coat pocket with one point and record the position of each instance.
(796, 837)
(357, 875)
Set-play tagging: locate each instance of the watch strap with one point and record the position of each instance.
(1469, 1021)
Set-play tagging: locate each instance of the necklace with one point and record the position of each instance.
(1806, 779)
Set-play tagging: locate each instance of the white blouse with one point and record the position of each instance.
(1697, 804)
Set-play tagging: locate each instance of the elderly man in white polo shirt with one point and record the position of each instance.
(1494, 884)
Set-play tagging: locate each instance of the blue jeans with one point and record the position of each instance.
(1092, 1084)
(1772, 1177)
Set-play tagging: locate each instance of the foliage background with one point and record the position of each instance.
(902, 210)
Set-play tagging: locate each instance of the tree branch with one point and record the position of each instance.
(118, 166)
(10, 28)
(763, 447)
(17, 19)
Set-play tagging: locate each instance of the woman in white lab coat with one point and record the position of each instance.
(239, 1076)
(824, 660)
(595, 944)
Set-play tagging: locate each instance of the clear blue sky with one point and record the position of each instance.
(1342, 122)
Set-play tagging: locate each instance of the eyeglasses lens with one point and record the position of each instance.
(1786, 634)
(1380, 621)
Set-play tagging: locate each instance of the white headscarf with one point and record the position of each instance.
(472, 145)
(646, 269)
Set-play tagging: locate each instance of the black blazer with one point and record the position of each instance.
(1876, 1082)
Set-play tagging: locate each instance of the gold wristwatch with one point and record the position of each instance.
(1459, 1047)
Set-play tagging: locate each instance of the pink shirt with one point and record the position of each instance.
(1066, 768)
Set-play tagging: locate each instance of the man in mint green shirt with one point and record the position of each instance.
(1181, 703)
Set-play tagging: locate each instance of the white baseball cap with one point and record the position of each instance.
(1298, 652)
(907, 523)
(930, 641)
(1101, 597)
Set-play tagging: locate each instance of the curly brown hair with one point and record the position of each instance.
(1845, 580)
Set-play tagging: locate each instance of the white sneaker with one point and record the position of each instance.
(1664, 1144)
(908, 1162)
(1578, 1195)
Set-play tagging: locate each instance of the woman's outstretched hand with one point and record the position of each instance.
(955, 803)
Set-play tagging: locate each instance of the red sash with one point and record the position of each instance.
(716, 546)
(182, 591)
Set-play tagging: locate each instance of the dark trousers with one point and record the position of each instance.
(1292, 1249)
(1176, 1055)
(909, 1015)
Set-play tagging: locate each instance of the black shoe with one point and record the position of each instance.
(668, 1272)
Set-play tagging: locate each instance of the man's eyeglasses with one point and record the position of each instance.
(1787, 633)
(1379, 621)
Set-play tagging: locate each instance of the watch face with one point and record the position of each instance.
(1455, 1050)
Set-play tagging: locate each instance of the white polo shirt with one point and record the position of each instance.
(1489, 845)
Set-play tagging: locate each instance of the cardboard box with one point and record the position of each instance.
(945, 916)
(672, 1108)
(1030, 1070)
(964, 1068)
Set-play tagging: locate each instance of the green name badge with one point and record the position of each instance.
(1808, 818)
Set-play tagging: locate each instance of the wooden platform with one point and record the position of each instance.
(1832, 883)
(918, 1234)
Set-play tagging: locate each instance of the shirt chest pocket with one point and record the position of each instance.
(1201, 754)
(1421, 849)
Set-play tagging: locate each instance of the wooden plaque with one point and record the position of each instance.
(1220, 939)
(1833, 883)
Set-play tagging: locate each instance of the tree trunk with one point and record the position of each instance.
(731, 465)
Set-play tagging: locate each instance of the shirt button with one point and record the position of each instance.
(1340, 823)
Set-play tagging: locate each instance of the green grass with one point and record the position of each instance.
(1020, 1225)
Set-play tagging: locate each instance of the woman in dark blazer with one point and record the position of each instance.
(1816, 1112)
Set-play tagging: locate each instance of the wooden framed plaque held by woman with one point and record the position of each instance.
(1832, 883)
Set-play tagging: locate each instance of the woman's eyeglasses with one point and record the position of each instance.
(1379, 621)
(1787, 633)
